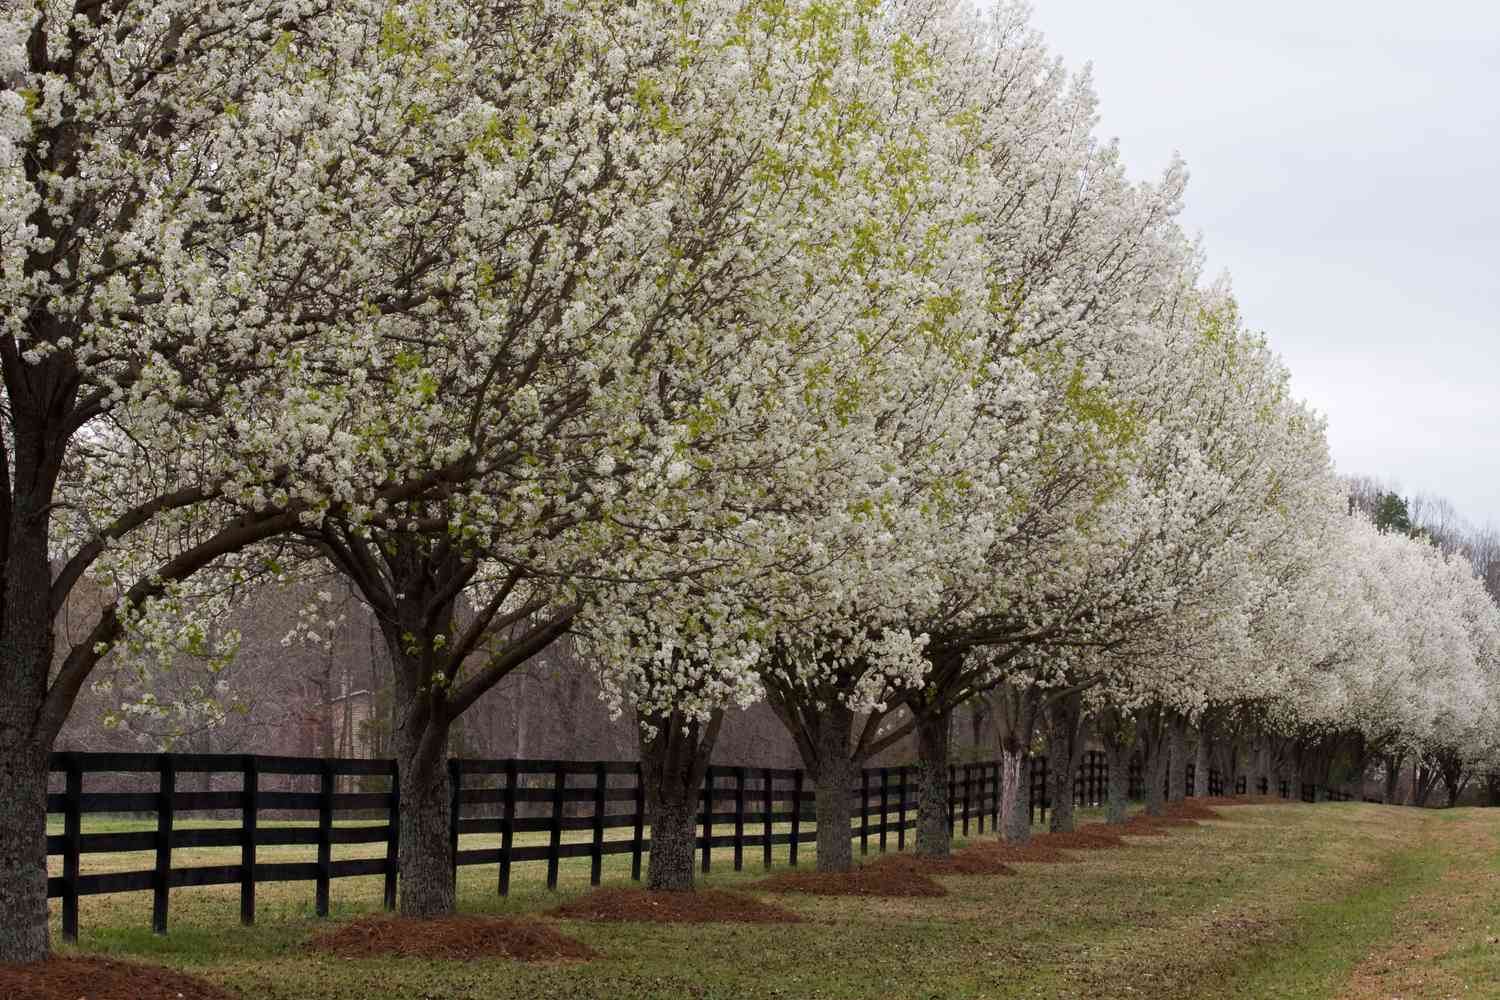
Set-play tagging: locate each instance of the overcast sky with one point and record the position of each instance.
(1345, 162)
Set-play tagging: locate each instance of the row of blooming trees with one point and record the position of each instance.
(814, 351)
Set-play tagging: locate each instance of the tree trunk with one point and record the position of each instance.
(1393, 762)
(834, 774)
(1118, 755)
(674, 760)
(674, 834)
(1151, 737)
(1015, 795)
(1202, 762)
(1177, 758)
(934, 839)
(1260, 768)
(427, 884)
(1014, 710)
(1064, 751)
(23, 845)
(27, 731)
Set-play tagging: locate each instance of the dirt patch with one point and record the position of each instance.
(460, 938)
(101, 979)
(701, 906)
(981, 859)
(864, 880)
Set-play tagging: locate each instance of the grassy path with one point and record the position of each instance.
(1343, 902)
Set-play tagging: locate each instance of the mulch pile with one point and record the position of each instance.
(101, 979)
(981, 859)
(461, 937)
(1240, 800)
(1193, 809)
(1145, 826)
(1035, 850)
(864, 880)
(699, 907)
(1081, 840)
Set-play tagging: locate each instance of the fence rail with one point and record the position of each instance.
(499, 798)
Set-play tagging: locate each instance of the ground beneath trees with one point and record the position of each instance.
(702, 906)
(900, 879)
(1333, 901)
(464, 937)
(102, 979)
(981, 859)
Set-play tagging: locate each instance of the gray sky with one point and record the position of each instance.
(1345, 162)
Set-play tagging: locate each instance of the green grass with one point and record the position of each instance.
(1289, 901)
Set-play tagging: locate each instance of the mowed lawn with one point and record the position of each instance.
(1295, 901)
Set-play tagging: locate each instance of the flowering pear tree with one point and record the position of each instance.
(210, 246)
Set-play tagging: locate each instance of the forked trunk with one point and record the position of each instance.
(934, 838)
(674, 759)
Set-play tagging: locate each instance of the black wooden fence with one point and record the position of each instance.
(741, 809)
(501, 798)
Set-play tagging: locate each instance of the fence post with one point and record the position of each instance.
(995, 800)
(768, 805)
(249, 824)
(325, 835)
(554, 843)
(708, 815)
(508, 824)
(393, 837)
(638, 844)
(596, 858)
(885, 791)
(982, 791)
(162, 878)
(864, 810)
(901, 809)
(73, 846)
(967, 769)
(739, 818)
(796, 813)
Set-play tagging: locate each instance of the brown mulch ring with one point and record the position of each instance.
(101, 979)
(1193, 809)
(981, 859)
(462, 937)
(864, 880)
(1143, 826)
(1081, 840)
(698, 907)
(1240, 800)
(1034, 850)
